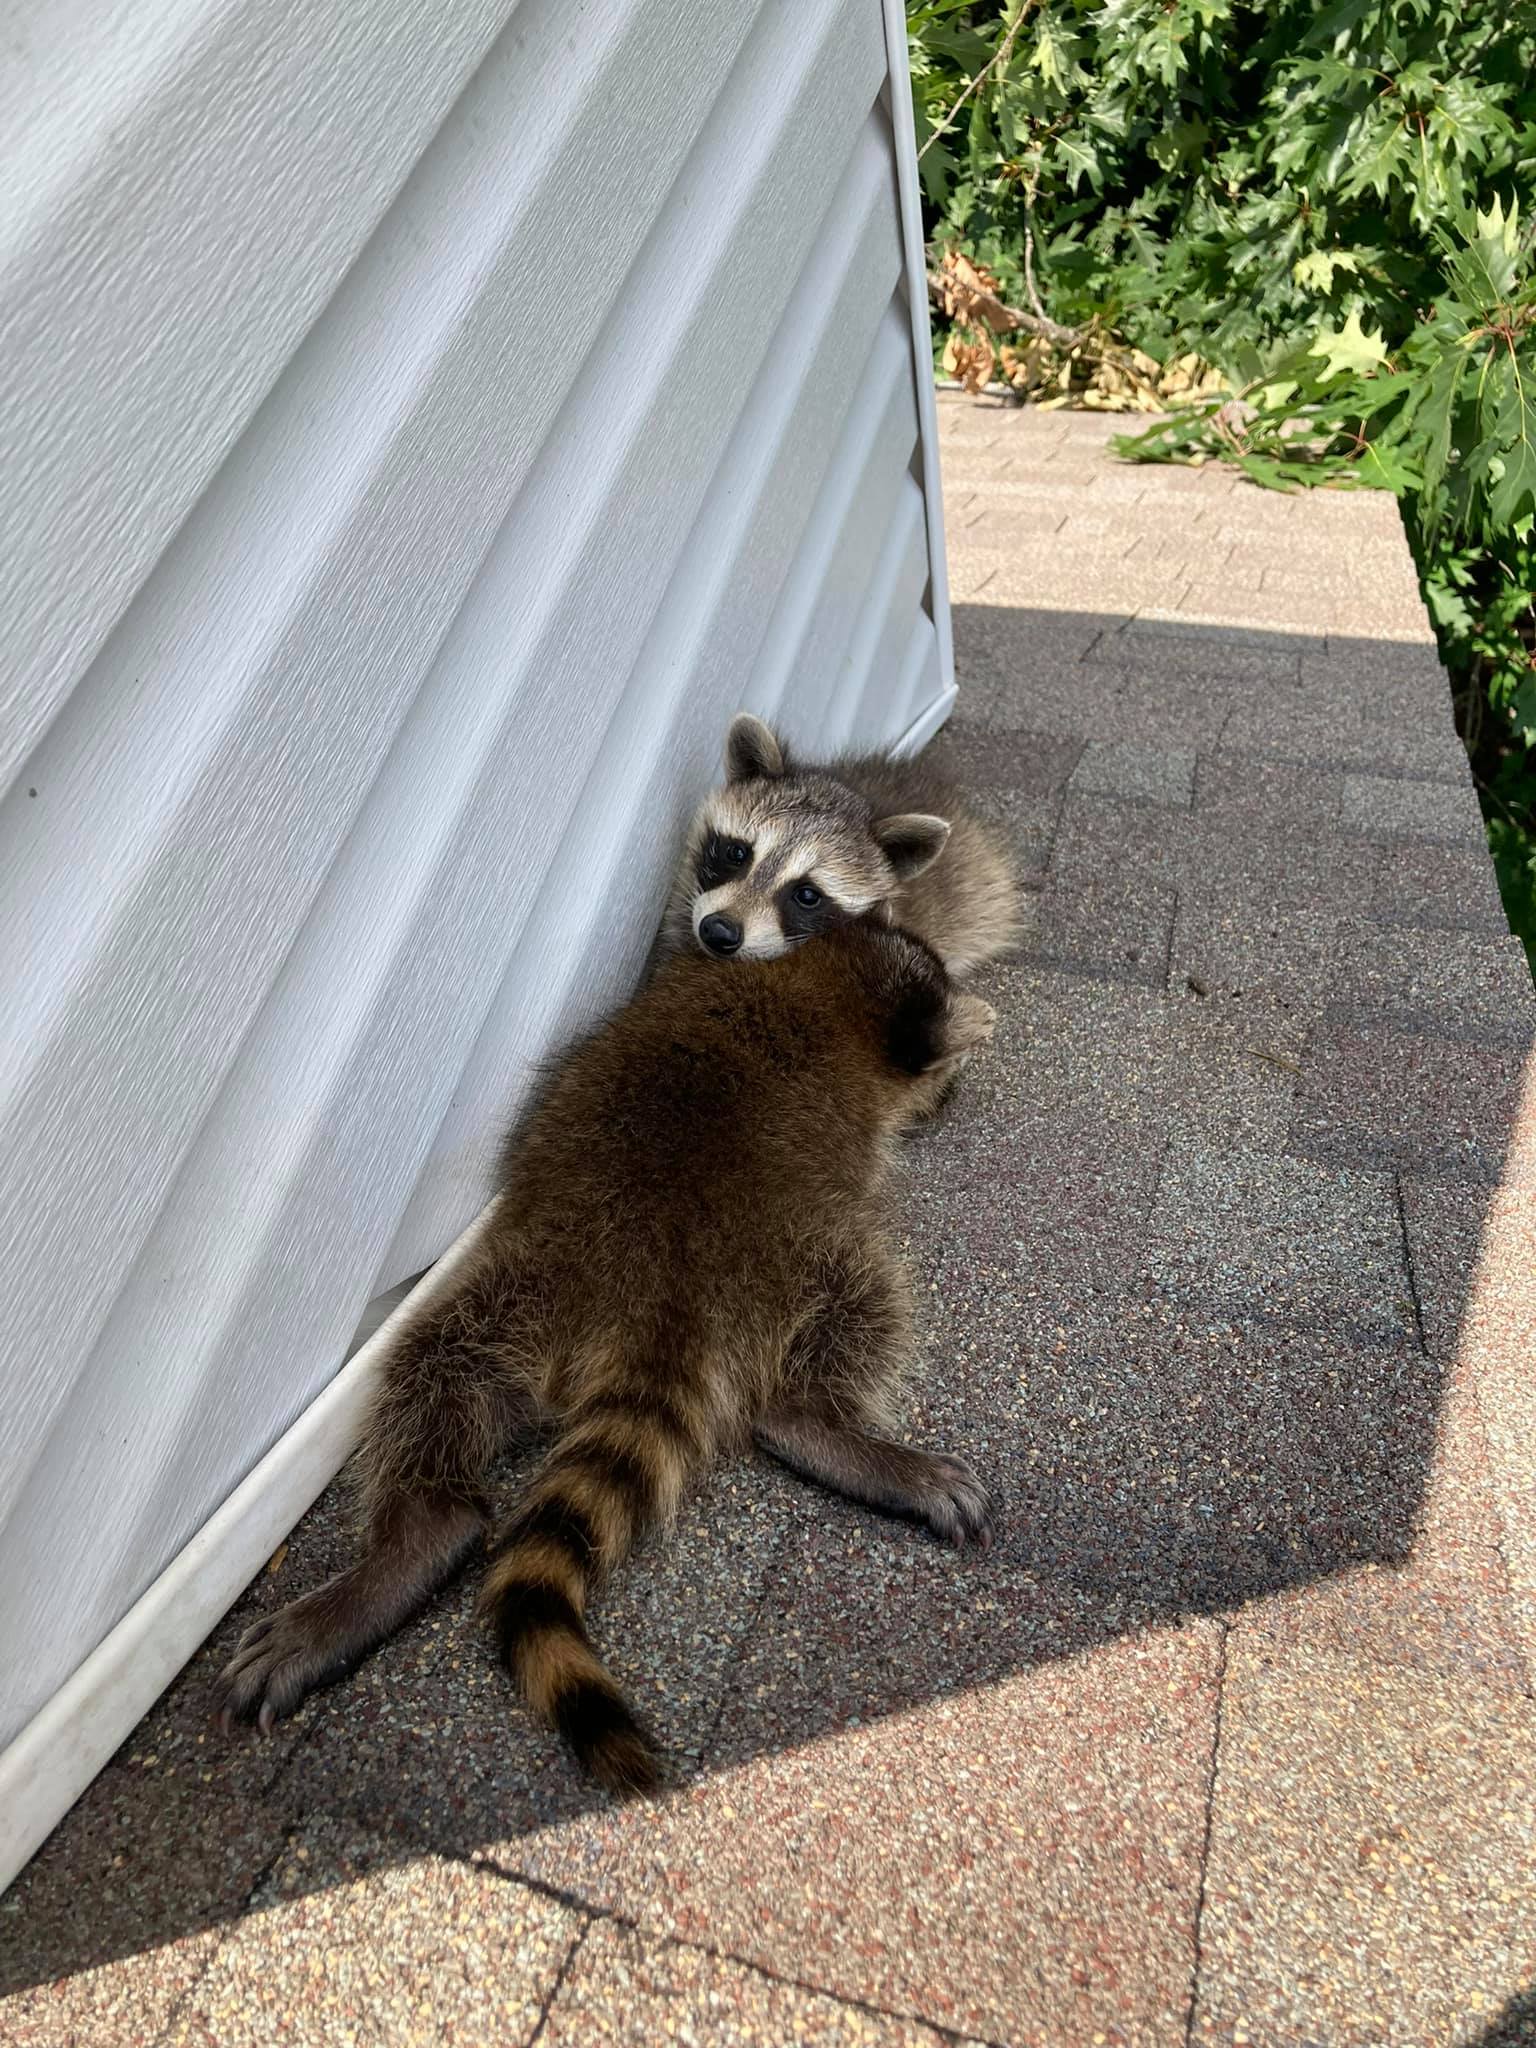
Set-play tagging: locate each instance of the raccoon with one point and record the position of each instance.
(687, 1254)
(782, 851)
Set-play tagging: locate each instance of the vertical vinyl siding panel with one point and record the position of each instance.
(437, 901)
(202, 779)
(878, 721)
(834, 573)
(590, 934)
(920, 682)
(897, 102)
(182, 187)
(820, 670)
(876, 435)
(856, 705)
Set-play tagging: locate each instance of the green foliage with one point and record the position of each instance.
(1320, 198)
(1447, 418)
(1221, 175)
(1482, 600)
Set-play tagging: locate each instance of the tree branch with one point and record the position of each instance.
(1029, 258)
(1000, 55)
(944, 293)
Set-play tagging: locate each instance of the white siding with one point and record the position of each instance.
(419, 434)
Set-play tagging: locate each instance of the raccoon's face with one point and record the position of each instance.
(776, 855)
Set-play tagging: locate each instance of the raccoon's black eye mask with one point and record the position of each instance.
(721, 859)
(804, 910)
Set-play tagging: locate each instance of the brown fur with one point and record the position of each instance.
(966, 905)
(688, 1251)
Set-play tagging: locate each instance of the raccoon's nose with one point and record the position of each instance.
(719, 934)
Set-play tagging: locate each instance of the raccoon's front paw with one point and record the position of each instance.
(970, 1023)
(280, 1661)
(949, 1497)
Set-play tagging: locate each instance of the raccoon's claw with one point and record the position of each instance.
(954, 1503)
(280, 1661)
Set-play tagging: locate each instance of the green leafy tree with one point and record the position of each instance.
(1322, 201)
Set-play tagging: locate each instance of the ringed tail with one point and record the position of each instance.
(619, 1466)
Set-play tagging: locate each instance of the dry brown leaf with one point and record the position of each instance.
(1189, 376)
(968, 357)
(1119, 401)
(962, 281)
(1179, 375)
(1029, 366)
(275, 1561)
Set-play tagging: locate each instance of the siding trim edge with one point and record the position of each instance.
(904, 135)
(44, 1770)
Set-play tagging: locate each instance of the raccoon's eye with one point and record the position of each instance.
(737, 852)
(807, 897)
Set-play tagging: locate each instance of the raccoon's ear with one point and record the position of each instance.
(752, 748)
(911, 842)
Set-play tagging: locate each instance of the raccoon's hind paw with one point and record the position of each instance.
(968, 1022)
(280, 1661)
(951, 1500)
